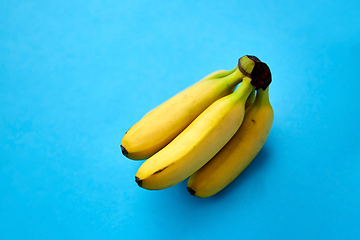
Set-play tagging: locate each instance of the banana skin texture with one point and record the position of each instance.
(237, 154)
(162, 124)
(198, 143)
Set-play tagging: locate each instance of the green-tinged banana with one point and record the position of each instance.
(237, 154)
(250, 99)
(162, 124)
(202, 139)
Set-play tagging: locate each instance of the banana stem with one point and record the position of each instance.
(262, 96)
(250, 99)
(246, 64)
(244, 89)
(220, 74)
(229, 72)
(234, 78)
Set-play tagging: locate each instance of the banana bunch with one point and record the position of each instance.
(208, 133)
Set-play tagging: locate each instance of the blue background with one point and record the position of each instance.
(75, 75)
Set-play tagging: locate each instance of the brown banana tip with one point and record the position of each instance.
(124, 151)
(261, 75)
(242, 67)
(254, 58)
(138, 181)
(191, 191)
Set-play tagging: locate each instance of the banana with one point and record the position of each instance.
(202, 139)
(162, 124)
(237, 154)
(250, 99)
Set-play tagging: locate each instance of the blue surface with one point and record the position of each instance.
(75, 75)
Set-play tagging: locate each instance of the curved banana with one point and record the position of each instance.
(237, 154)
(203, 138)
(198, 143)
(162, 124)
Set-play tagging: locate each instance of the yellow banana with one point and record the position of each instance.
(197, 144)
(162, 124)
(237, 154)
(202, 139)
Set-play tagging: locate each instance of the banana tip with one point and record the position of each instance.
(191, 191)
(124, 151)
(261, 75)
(138, 181)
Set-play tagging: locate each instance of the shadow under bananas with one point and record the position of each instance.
(175, 204)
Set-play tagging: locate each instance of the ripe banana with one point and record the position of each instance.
(197, 144)
(162, 124)
(202, 139)
(237, 154)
